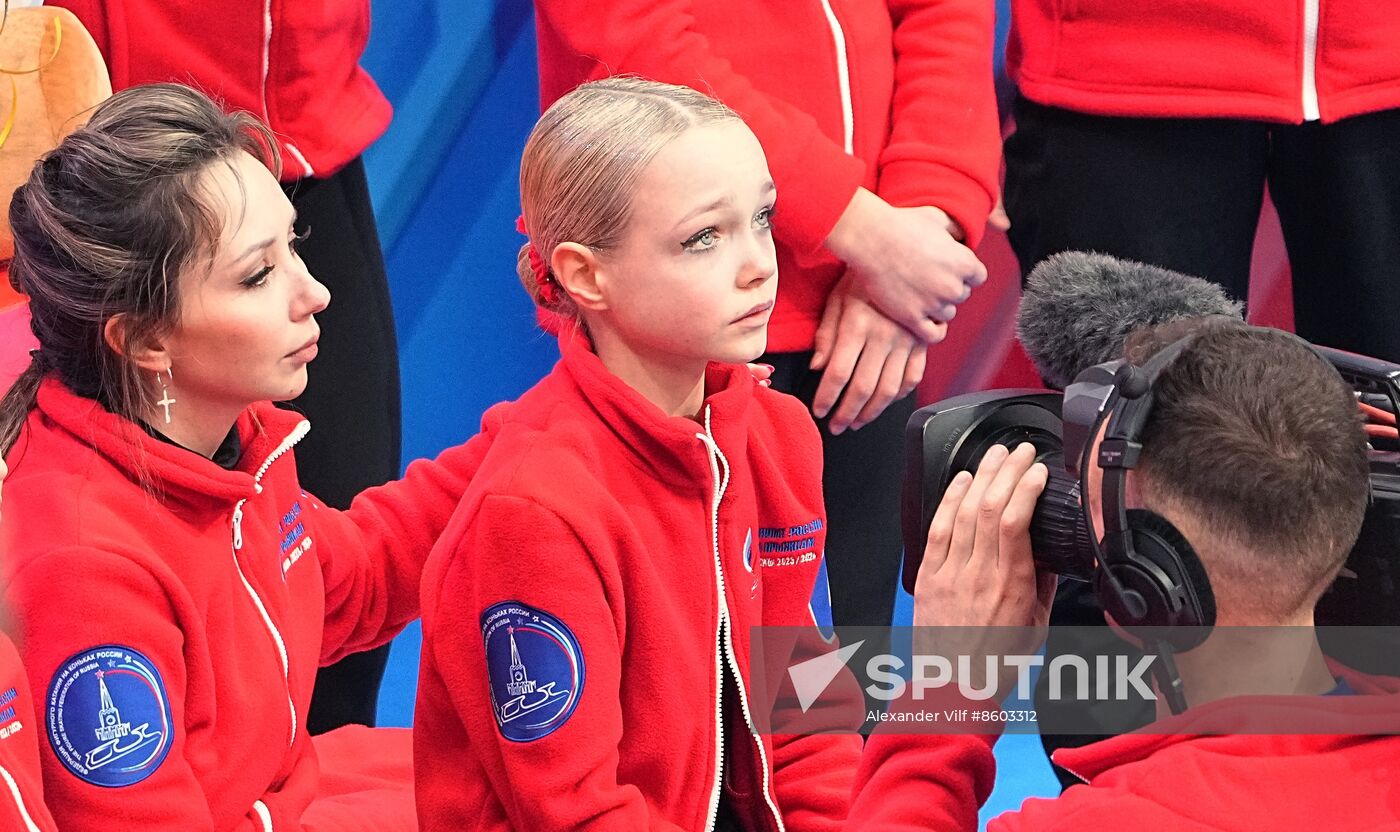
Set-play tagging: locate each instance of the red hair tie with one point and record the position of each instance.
(547, 285)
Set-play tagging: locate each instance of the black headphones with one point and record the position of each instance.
(1148, 575)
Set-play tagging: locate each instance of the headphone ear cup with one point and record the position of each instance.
(1192, 601)
(1165, 585)
(1129, 610)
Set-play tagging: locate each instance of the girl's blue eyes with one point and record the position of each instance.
(703, 240)
(706, 239)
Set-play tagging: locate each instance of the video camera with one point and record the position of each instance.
(947, 437)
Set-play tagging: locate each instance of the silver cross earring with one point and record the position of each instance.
(166, 400)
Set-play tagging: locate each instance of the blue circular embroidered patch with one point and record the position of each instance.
(108, 716)
(534, 667)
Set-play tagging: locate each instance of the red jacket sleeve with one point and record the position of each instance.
(374, 553)
(657, 39)
(813, 771)
(74, 602)
(21, 785)
(922, 782)
(1083, 807)
(945, 143)
(915, 781)
(566, 779)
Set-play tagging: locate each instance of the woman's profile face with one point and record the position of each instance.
(247, 328)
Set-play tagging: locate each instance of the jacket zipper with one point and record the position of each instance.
(712, 451)
(267, 71)
(724, 637)
(264, 816)
(1312, 12)
(298, 433)
(1076, 774)
(30, 825)
(301, 160)
(843, 76)
(266, 58)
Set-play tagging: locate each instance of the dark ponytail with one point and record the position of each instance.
(19, 399)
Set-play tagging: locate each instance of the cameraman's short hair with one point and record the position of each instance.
(1259, 440)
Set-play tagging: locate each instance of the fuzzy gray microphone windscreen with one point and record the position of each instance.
(1078, 309)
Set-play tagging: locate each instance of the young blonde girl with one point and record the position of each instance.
(587, 613)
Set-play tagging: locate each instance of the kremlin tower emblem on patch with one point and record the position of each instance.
(535, 670)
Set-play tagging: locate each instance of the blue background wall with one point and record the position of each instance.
(461, 76)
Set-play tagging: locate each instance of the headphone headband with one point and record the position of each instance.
(1147, 574)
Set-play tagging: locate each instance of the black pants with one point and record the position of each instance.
(861, 479)
(1185, 194)
(351, 398)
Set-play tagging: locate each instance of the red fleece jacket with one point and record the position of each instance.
(172, 635)
(598, 581)
(293, 63)
(1193, 780)
(895, 95)
(21, 785)
(1254, 59)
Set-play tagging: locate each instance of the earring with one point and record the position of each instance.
(166, 401)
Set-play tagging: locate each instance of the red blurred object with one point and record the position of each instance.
(1376, 415)
(1382, 432)
(16, 340)
(1270, 281)
(981, 351)
(8, 297)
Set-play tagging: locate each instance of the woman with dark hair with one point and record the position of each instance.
(173, 588)
(297, 66)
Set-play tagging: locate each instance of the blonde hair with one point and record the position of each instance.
(582, 160)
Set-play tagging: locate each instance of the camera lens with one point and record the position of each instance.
(1059, 530)
(953, 435)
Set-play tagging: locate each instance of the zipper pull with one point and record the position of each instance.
(238, 527)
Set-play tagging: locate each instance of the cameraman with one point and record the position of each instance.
(1254, 450)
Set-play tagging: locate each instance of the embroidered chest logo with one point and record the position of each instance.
(789, 545)
(534, 668)
(295, 541)
(748, 564)
(108, 716)
(10, 723)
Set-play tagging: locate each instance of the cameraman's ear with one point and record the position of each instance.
(146, 351)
